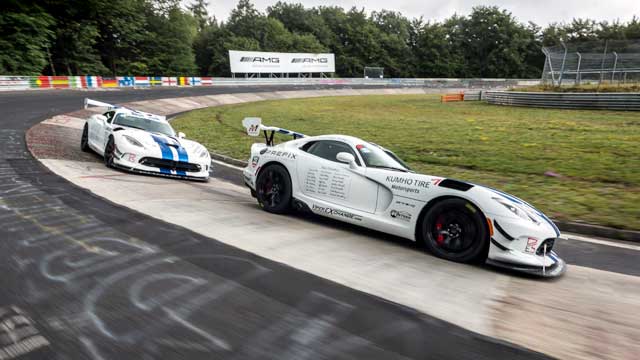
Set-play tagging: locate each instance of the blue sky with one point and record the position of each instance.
(541, 12)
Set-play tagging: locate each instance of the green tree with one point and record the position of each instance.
(199, 11)
(168, 48)
(26, 38)
(494, 43)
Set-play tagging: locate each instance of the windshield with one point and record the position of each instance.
(144, 124)
(375, 156)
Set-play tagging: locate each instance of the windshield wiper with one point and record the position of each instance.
(387, 167)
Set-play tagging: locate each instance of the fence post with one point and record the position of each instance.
(548, 59)
(615, 64)
(578, 70)
(564, 59)
(604, 56)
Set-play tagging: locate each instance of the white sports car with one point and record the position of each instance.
(145, 143)
(359, 182)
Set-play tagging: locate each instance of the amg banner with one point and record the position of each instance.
(268, 62)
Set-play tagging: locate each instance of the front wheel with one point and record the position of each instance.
(273, 189)
(109, 151)
(454, 229)
(84, 140)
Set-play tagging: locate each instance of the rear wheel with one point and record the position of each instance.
(84, 141)
(454, 229)
(109, 152)
(273, 189)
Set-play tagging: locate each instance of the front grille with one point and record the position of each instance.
(549, 242)
(170, 164)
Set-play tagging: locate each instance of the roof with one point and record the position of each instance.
(141, 114)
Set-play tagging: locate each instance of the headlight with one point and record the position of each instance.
(133, 141)
(518, 210)
(203, 153)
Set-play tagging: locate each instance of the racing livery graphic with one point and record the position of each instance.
(145, 143)
(359, 182)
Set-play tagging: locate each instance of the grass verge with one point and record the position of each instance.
(574, 165)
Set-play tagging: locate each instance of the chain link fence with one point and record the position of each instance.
(592, 62)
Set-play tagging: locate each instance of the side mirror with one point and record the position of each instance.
(345, 157)
(181, 135)
(101, 118)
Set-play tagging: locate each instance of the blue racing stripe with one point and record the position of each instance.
(182, 156)
(167, 154)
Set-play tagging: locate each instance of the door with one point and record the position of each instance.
(99, 129)
(323, 177)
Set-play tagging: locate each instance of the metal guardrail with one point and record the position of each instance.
(599, 101)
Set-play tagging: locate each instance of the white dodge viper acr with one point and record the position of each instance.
(144, 143)
(355, 181)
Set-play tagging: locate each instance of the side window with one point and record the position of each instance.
(109, 115)
(328, 149)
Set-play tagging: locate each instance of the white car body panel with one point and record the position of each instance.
(159, 154)
(392, 202)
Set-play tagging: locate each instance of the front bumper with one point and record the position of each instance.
(524, 247)
(136, 167)
(555, 270)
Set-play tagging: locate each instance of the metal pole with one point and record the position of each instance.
(615, 64)
(578, 71)
(604, 56)
(548, 55)
(564, 59)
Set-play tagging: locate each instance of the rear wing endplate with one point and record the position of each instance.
(254, 126)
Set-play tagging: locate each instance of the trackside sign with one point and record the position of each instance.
(268, 62)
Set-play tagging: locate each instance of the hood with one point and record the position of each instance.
(498, 197)
(186, 150)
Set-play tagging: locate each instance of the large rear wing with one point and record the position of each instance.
(89, 102)
(254, 126)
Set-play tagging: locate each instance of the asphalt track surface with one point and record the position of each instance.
(143, 304)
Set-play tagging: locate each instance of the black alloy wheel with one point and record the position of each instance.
(273, 189)
(454, 229)
(84, 141)
(109, 153)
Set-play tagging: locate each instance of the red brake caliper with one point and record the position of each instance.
(440, 238)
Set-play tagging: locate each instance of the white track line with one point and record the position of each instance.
(620, 244)
(213, 161)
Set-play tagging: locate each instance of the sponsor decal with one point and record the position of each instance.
(310, 60)
(336, 212)
(436, 181)
(404, 203)
(532, 244)
(252, 59)
(405, 189)
(254, 161)
(253, 129)
(401, 215)
(281, 154)
(132, 157)
(407, 185)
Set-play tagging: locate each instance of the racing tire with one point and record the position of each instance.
(109, 151)
(84, 140)
(456, 230)
(273, 189)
